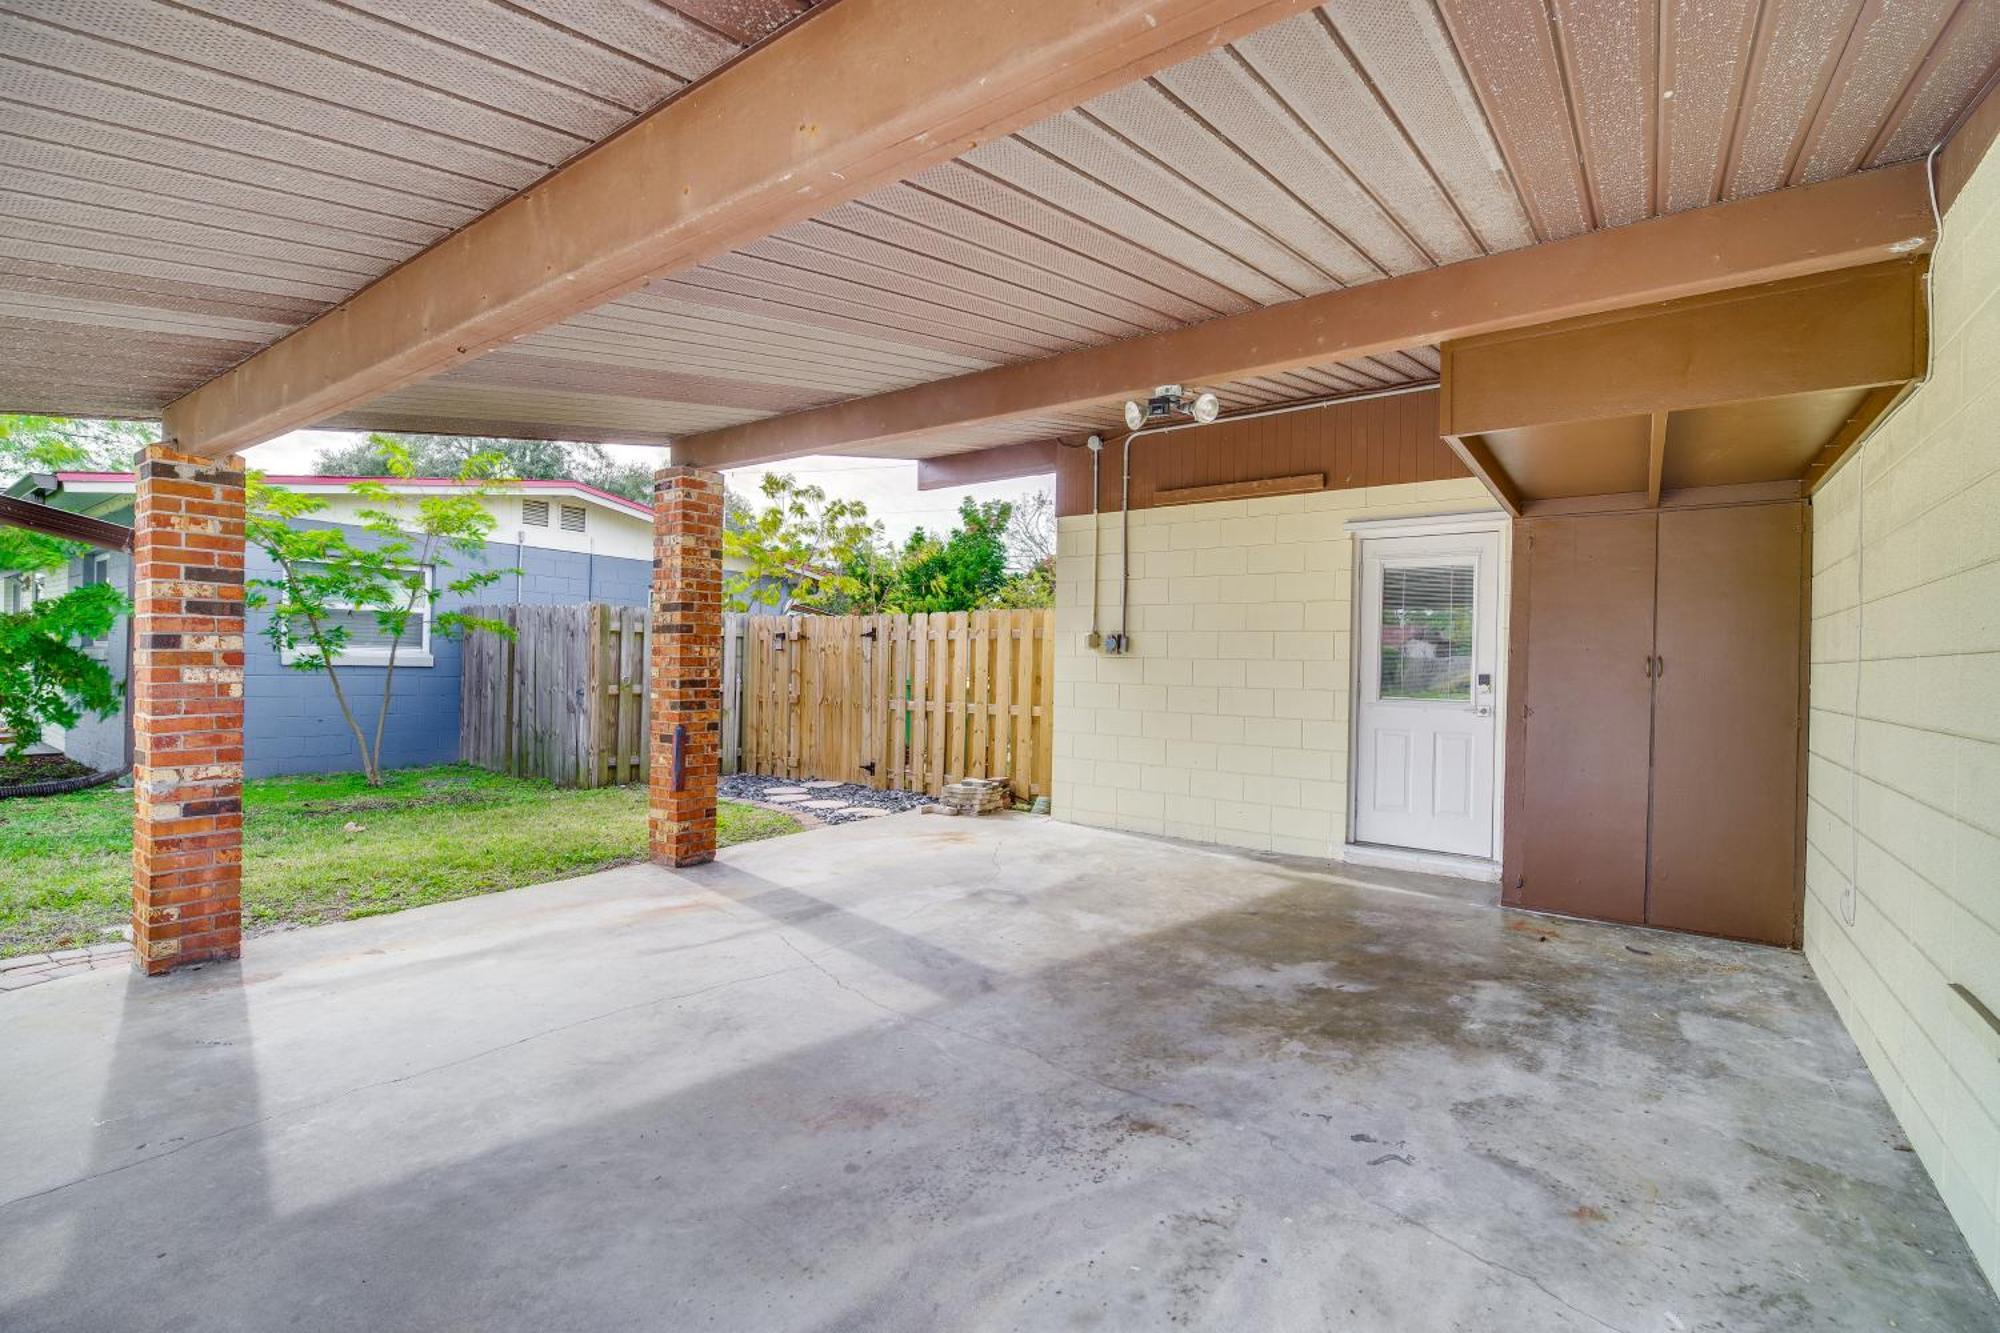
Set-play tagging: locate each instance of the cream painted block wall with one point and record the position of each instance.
(1903, 812)
(1228, 721)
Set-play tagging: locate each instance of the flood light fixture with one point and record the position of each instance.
(1170, 401)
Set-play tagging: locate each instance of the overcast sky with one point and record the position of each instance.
(888, 488)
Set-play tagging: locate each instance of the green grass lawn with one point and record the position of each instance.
(328, 848)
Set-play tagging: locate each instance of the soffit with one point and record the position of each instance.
(1351, 143)
(182, 184)
(1341, 147)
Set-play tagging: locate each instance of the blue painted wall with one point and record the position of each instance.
(291, 722)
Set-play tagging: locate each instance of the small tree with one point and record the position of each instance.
(964, 569)
(46, 677)
(801, 547)
(324, 577)
(1031, 531)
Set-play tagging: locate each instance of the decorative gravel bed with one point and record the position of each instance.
(829, 803)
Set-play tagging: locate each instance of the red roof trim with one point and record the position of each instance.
(538, 483)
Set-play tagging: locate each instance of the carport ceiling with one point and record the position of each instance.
(183, 184)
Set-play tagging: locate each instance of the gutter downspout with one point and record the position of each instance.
(1120, 641)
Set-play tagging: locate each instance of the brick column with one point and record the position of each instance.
(187, 710)
(686, 682)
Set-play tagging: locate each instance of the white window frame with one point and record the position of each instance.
(99, 648)
(415, 651)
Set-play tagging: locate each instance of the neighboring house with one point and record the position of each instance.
(569, 542)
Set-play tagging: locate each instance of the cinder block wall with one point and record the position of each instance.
(1228, 722)
(1904, 778)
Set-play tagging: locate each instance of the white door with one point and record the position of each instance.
(1426, 702)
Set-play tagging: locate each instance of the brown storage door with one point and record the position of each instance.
(1582, 818)
(1726, 722)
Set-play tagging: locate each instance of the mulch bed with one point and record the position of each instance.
(757, 788)
(25, 768)
(31, 775)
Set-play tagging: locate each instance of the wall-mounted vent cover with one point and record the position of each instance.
(572, 518)
(535, 513)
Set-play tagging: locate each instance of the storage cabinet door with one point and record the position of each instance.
(1726, 722)
(1582, 816)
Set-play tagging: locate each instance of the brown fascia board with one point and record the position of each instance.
(1859, 219)
(65, 523)
(860, 94)
(1002, 462)
(1854, 328)
(1971, 140)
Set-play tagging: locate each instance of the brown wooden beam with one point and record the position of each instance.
(1843, 223)
(1829, 331)
(1841, 330)
(1003, 462)
(1871, 409)
(857, 95)
(1479, 460)
(1299, 483)
(1686, 497)
(1656, 459)
(52, 522)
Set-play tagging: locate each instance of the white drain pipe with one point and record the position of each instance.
(1121, 640)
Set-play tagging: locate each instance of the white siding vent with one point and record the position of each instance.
(535, 513)
(572, 518)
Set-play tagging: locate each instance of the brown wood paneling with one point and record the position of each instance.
(1375, 442)
(1726, 722)
(1582, 799)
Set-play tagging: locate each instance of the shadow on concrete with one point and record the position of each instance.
(1318, 1107)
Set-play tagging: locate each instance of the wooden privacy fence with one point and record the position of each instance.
(907, 702)
(565, 699)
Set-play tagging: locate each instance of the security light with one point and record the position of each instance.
(1170, 401)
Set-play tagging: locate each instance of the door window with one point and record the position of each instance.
(1427, 631)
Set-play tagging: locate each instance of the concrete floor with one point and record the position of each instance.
(923, 1074)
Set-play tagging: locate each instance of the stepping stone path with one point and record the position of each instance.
(823, 800)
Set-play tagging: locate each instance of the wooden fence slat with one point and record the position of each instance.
(906, 702)
(982, 695)
(1044, 696)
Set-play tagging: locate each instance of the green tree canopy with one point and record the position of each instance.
(47, 678)
(961, 570)
(326, 579)
(800, 548)
(519, 460)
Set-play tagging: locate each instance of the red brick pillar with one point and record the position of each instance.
(187, 710)
(687, 663)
